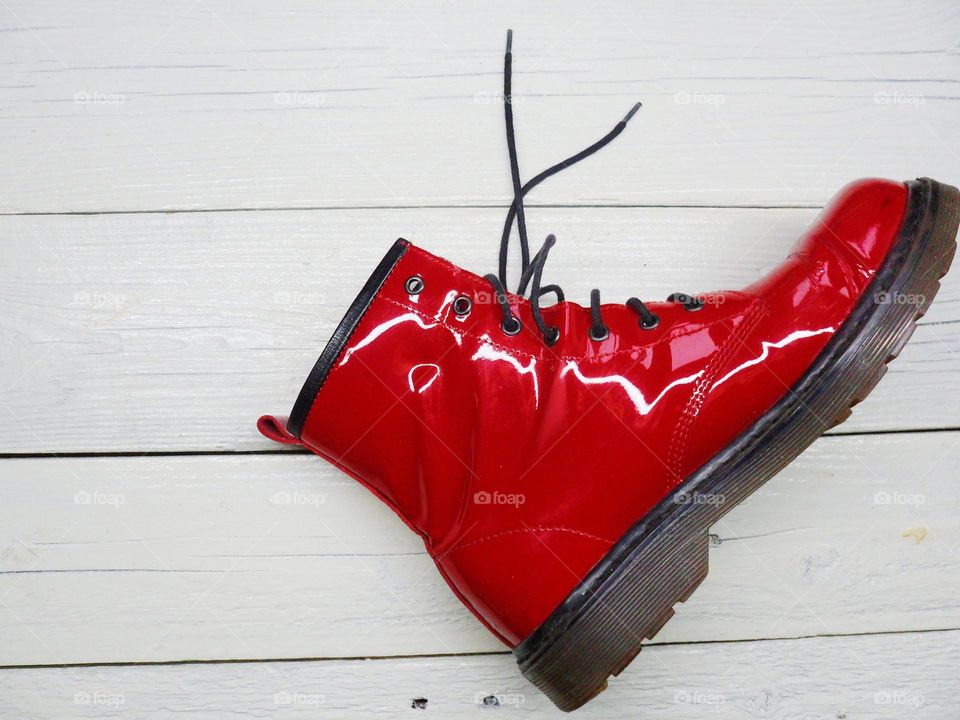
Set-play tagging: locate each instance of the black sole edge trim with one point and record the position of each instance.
(338, 341)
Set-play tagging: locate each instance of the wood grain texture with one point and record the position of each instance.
(199, 105)
(869, 678)
(168, 332)
(175, 558)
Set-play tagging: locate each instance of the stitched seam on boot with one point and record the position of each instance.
(526, 531)
(681, 433)
(447, 265)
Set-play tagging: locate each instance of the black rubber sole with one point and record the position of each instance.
(630, 594)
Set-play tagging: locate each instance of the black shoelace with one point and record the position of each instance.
(532, 269)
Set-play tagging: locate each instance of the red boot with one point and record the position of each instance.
(564, 464)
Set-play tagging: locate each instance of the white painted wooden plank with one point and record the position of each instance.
(172, 558)
(176, 331)
(875, 677)
(109, 106)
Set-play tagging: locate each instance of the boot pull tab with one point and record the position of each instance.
(275, 428)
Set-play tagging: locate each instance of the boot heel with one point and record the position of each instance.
(631, 606)
(683, 579)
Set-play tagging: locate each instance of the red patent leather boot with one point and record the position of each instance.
(563, 464)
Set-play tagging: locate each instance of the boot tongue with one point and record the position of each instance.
(275, 428)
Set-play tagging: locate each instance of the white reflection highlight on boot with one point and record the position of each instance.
(423, 386)
(381, 329)
(633, 392)
(765, 353)
(489, 352)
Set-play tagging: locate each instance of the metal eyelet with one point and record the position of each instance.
(414, 285)
(601, 337)
(553, 338)
(654, 321)
(462, 305)
(512, 327)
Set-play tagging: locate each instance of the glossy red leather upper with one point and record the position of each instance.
(519, 464)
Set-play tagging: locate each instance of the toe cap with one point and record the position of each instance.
(860, 222)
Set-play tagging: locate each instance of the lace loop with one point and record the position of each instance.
(531, 270)
(510, 323)
(553, 170)
(648, 320)
(552, 289)
(598, 331)
(550, 334)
